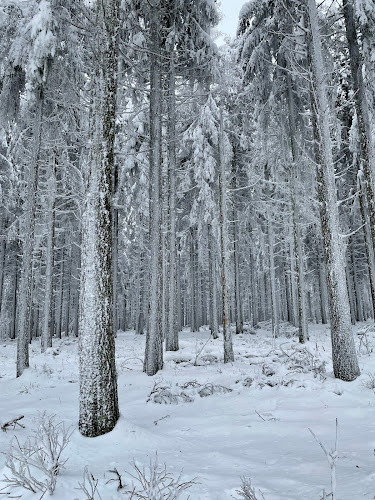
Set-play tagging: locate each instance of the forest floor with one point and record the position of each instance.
(215, 422)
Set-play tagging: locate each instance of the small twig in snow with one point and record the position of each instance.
(259, 415)
(162, 418)
(331, 457)
(13, 422)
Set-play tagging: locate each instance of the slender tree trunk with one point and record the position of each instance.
(366, 166)
(154, 341)
(115, 237)
(236, 251)
(212, 285)
(323, 288)
(253, 286)
(172, 333)
(358, 307)
(60, 301)
(351, 296)
(179, 298)
(69, 291)
(274, 294)
(3, 224)
(297, 240)
(14, 308)
(227, 334)
(193, 311)
(47, 327)
(25, 284)
(363, 203)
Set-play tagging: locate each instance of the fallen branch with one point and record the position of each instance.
(13, 423)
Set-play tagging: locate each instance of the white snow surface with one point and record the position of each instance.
(258, 431)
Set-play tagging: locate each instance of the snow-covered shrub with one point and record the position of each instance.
(155, 483)
(246, 491)
(302, 360)
(151, 483)
(208, 359)
(288, 330)
(163, 394)
(268, 371)
(370, 382)
(247, 382)
(209, 389)
(362, 335)
(89, 486)
(35, 464)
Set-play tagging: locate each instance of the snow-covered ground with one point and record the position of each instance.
(249, 418)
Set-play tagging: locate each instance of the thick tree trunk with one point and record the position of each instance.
(344, 357)
(98, 409)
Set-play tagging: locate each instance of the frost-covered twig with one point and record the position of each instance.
(200, 351)
(117, 478)
(332, 457)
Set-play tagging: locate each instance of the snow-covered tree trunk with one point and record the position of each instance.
(293, 275)
(46, 336)
(212, 284)
(367, 233)
(274, 294)
(115, 238)
(98, 408)
(323, 294)
(193, 312)
(178, 294)
(297, 240)
(3, 224)
(236, 252)
(253, 285)
(154, 341)
(25, 283)
(60, 296)
(227, 334)
(351, 293)
(366, 166)
(138, 306)
(345, 363)
(171, 343)
(356, 282)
